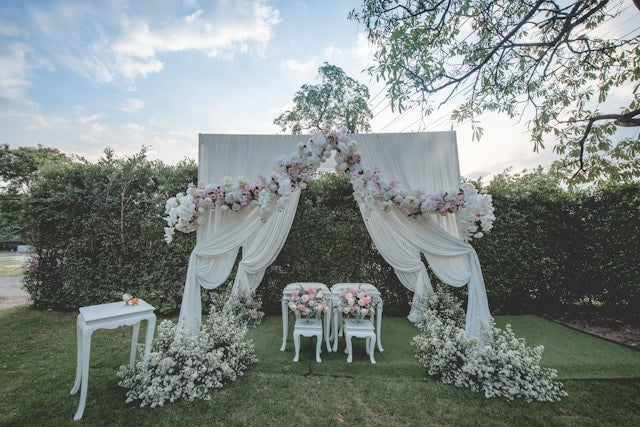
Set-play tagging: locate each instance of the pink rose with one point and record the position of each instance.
(320, 308)
(348, 295)
(345, 310)
(319, 294)
(310, 290)
(367, 300)
(311, 303)
(292, 306)
(350, 301)
(362, 295)
(305, 298)
(362, 302)
(302, 308)
(295, 294)
(351, 290)
(364, 311)
(352, 310)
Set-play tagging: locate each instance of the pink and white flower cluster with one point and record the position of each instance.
(185, 212)
(308, 302)
(356, 303)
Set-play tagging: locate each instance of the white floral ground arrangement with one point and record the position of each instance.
(186, 367)
(506, 368)
(185, 212)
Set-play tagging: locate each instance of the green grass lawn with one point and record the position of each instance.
(12, 264)
(37, 362)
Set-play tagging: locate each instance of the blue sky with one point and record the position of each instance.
(81, 76)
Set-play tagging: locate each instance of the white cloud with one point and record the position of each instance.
(38, 122)
(9, 29)
(364, 50)
(333, 52)
(295, 65)
(132, 105)
(92, 118)
(81, 35)
(14, 71)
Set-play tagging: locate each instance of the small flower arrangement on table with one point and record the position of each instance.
(356, 303)
(308, 302)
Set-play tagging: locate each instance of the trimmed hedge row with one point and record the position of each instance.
(98, 232)
(552, 250)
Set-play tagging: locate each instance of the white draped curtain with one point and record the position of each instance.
(418, 160)
(426, 161)
(224, 232)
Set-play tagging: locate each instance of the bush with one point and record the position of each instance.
(186, 367)
(553, 249)
(97, 231)
(503, 367)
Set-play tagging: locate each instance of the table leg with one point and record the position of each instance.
(151, 326)
(327, 330)
(86, 350)
(349, 348)
(76, 383)
(372, 346)
(296, 345)
(335, 330)
(285, 325)
(318, 347)
(134, 343)
(379, 325)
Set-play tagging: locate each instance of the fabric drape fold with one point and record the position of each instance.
(223, 232)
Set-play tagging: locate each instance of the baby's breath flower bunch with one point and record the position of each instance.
(505, 367)
(244, 305)
(186, 367)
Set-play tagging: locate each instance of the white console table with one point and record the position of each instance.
(108, 316)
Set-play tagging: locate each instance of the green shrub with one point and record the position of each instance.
(98, 232)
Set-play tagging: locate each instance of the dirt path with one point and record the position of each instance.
(11, 293)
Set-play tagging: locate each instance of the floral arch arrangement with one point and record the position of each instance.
(185, 212)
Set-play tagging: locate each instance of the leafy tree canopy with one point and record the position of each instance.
(19, 167)
(337, 101)
(554, 62)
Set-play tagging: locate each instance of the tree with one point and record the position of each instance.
(337, 101)
(19, 168)
(550, 62)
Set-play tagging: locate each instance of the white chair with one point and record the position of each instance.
(307, 328)
(377, 317)
(286, 294)
(359, 329)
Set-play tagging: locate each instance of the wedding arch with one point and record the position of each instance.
(406, 184)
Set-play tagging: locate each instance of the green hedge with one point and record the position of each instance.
(98, 232)
(554, 250)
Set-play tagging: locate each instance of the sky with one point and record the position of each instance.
(82, 76)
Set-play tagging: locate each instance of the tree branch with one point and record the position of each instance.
(624, 120)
